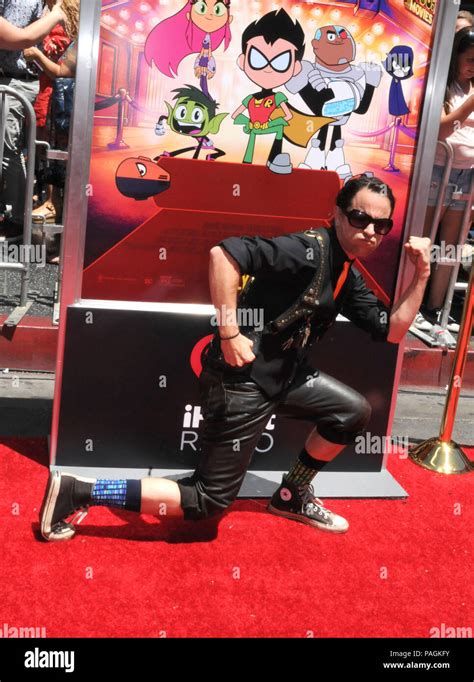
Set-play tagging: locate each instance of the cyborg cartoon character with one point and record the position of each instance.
(334, 86)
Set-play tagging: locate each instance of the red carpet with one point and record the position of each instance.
(129, 576)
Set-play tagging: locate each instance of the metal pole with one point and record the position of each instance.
(463, 232)
(442, 454)
(30, 179)
(75, 204)
(459, 363)
(30, 183)
(445, 20)
(2, 131)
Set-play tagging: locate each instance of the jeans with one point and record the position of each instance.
(14, 169)
(235, 415)
(459, 179)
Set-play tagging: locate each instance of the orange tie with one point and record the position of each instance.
(342, 278)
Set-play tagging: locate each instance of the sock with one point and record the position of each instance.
(124, 494)
(305, 468)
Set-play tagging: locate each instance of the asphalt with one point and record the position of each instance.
(41, 290)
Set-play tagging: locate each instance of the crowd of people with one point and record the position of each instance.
(37, 60)
(457, 129)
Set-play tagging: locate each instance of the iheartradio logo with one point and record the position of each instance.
(195, 357)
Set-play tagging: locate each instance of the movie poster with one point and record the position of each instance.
(198, 136)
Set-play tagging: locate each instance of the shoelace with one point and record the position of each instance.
(314, 503)
(79, 515)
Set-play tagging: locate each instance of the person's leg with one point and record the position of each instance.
(14, 170)
(449, 235)
(161, 496)
(340, 414)
(234, 417)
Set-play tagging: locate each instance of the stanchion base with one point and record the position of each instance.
(437, 455)
(390, 168)
(118, 145)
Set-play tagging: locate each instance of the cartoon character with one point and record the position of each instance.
(399, 65)
(333, 86)
(141, 178)
(201, 26)
(193, 115)
(272, 50)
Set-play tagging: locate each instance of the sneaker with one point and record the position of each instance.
(66, 496)
(422, 323)
(44, 214)
(426, 320)
(452, 325)
(297, 502)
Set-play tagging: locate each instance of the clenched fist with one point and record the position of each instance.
(419, 252)
(238, 351)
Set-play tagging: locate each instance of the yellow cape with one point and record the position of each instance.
(301, 127)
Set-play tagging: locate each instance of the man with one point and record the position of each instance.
(17, 74)
(272, 50)
(301, 281)
(334, 86)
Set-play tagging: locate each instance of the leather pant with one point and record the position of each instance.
(235, 416)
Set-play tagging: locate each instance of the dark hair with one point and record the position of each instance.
(190, 92)
(355, 184)
(463, 40)
(404, 57)
(275, 25)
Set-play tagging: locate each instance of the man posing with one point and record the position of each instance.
(301, 281)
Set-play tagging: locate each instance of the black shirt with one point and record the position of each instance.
(283, 267)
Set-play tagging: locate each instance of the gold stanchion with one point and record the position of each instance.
(442, 454)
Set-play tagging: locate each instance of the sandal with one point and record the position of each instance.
(44, 214)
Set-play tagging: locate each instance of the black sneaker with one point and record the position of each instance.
(452, 325)
(66, 496)
(297, 502)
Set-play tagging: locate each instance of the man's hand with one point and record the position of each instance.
(419, 252)
(238, 351)
(30, 53)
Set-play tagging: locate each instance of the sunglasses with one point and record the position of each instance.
(360, 220)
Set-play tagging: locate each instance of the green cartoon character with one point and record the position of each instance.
(194, 114)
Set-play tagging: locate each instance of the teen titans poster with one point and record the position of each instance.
(225, 117)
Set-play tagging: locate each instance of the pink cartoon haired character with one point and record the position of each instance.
(201, 26)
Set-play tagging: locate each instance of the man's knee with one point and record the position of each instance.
(348, 422)
(358, 414)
